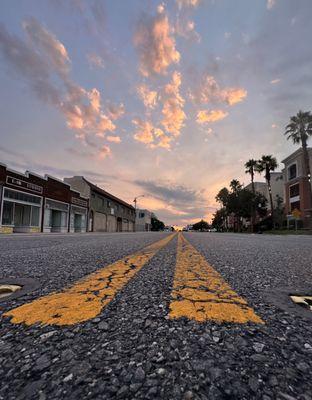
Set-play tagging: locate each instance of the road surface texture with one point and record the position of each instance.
(156, 316)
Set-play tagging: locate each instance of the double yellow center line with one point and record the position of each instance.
(199, 292)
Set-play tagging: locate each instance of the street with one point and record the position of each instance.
(156, 315)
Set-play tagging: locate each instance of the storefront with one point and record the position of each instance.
(55, 216)
(21, 212)
(78, 215)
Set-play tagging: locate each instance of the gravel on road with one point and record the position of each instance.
(132, 349)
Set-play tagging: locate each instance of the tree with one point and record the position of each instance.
(223, 198)
(201, 226)
(236, 186)
(268, 164)
(157, 225)
(299, 130)
(250, 166)
(219, 218)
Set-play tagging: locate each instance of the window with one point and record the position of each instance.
(22, 215)
(56, 205)
(294, 190)
(22, 197)
(292, 171)
(7, 215)
(35, 211)
(295, 205)
(141, 215)
(108, 203)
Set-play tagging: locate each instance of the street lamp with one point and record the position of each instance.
(136, 199)
(135, 206)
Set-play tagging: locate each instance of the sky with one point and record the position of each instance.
(162, 99)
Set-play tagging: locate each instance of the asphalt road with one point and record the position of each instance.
(205, 318)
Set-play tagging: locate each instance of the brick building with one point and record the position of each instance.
(297, 194)
(32, 203)
(107, 213)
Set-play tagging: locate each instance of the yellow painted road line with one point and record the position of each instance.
(86, 298)
(200, 293)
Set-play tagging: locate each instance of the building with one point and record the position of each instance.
(107, 213)
(143, 221)
(32, 203)
(297, 193)
(277, 187)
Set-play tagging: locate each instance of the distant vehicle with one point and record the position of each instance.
(212, 230)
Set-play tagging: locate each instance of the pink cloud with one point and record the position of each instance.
(173, 114)
(205, 116)
(113, 139)
(155, 44)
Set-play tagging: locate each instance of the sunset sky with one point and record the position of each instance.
(166, 99)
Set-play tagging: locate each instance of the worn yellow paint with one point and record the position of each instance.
(200, 293)
(6, 229)
(86, 298)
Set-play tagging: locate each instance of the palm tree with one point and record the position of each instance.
(268, 164)
(250, 166)
(299, 130)
(236, 186)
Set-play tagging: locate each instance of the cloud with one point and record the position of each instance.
(113, 139)
(104, 152)
(43, 62)
(149, 135)
(233, 95)
(205, 116)
(275, 81)
(186, 28)
(169, 192)
(209, 91)
(227, 35)
(46, 44)
(149, 97)
(173, 114)
(115, 111)
(187, 3)
(270, 4)
(144, 133)
(155, 44)
(95, 60)
(99, 14)
(174, 201)
(24, 164)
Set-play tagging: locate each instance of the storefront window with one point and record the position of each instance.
(20, 196)
(7, 215)
(22, 215)
(20, 209)
(35, 216)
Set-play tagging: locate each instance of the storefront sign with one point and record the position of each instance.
(23, 184)
(79, 202)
